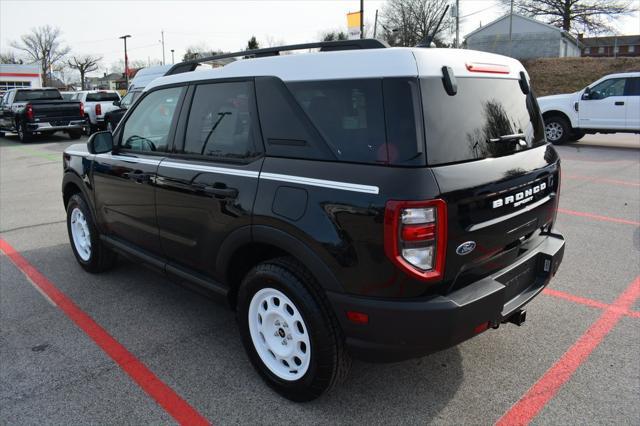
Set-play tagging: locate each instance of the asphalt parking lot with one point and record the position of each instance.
(131, 346)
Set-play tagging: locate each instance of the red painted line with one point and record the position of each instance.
(166, 397)
(585, 301)
(18, 74)
(603, 180)
(537, 397)
(598, 217)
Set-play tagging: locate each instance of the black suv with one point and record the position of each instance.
(382, 203)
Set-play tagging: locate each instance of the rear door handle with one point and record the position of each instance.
(619, 103)
(218, 190)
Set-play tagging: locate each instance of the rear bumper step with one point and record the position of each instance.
(399, 330)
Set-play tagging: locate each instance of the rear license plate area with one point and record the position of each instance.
(520, 278)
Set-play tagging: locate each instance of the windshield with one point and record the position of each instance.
(480, 121)
(102, 97)
(33, 95)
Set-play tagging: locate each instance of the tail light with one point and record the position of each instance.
(98, 109)
(415, 237)
(28, 112)
(81, 109)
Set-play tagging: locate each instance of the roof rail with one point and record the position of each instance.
(325, 46)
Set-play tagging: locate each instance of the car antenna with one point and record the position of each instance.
(429, 38)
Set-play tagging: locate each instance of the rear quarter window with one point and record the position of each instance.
(374, 121)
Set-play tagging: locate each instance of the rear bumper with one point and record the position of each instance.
(399, 330)
(53, 126)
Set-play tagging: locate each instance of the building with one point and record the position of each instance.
(530, 39)
(19, 75)
(106, 82)
(611, 46)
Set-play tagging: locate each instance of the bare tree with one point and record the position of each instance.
(44, 46)
(9, 57)
(408, 22)
(577, 16)
(84, 64)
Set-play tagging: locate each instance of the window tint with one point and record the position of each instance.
(633, 86)
(403, 117)
(349, 114)
(460, 128)
(31, 95)
(148, 127)
(607, 88)
(102, 97)
(221, 121)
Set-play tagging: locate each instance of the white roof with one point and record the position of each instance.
(349, 64)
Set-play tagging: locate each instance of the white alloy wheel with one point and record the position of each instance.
(81, 235)
(279, 334)
(554, 131)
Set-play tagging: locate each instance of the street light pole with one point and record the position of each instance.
(361, 18)
(162, 32)
(173, 60)
(126, 60)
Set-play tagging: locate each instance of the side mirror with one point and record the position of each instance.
(100, 143)
(116, 103)
(586, 94)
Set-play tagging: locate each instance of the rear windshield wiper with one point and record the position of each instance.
(520, 137)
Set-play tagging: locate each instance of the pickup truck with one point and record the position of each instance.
(44, 111)
(96, 104)
(609, 105)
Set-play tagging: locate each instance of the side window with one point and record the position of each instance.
(148, 127)
(349, 114)
(611, 87)
(633, 87)
(222, 121)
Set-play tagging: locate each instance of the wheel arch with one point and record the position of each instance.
(558, 113)
(250, 245)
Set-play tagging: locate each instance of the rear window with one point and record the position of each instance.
(460, 127)
(35, 95)
(366, 121)
(102, 97)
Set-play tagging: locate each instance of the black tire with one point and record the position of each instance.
(101, 258)
(23, 134)
(1, 134)
(329, 361)
(577, 135)
(75, 134)
(557, 129)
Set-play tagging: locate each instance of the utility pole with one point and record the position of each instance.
(375, 25)
(173, 60)
(457, 24)
(361, 18)
(126, 60)
(162, 32)
(511, 30)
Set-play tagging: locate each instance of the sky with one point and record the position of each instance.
(93, 26)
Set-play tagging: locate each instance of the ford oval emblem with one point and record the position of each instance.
(466, 248)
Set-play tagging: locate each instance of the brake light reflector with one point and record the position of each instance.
(415, 237)
(488, 68)
(358, 317)
(81, 109)
(98, 109)
(28, 112)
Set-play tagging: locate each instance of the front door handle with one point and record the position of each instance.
(218, 190)
(138, 177)
(619, 103)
